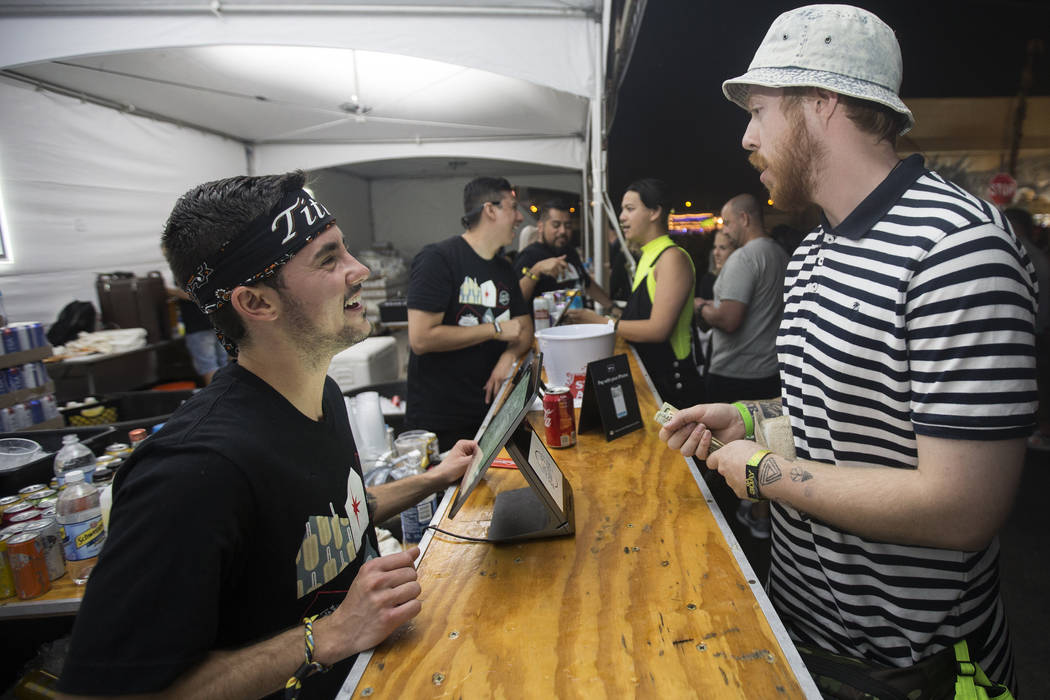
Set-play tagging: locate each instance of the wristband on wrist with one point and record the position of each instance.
(749, 422)
(751, 475)
(526, 272)
(308, 667)
(495, 325)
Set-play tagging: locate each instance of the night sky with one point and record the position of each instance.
(673, 122)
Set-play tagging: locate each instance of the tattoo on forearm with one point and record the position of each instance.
(769, 471)
(768, 408)
(799, 474)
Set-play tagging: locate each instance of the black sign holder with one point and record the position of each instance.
(609, 398)
(545, 507)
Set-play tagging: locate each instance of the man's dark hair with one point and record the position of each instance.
(870, 117)
(477, 192)
(654, 194)
(1021, 222)
(559, 204)
(211, 214)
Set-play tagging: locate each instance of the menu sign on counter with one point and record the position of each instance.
(609, 398)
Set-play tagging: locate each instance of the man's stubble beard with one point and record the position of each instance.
(314, 346)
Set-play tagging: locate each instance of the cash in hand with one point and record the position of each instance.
(667, 412)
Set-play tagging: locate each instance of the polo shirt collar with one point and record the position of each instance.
(871, 210)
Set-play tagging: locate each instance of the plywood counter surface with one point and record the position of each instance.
(647, 599)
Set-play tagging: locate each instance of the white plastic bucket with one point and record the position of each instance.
(567, 349)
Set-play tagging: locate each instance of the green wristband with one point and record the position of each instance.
(751, 475)
(749, 423)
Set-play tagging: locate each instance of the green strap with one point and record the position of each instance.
(971, 683)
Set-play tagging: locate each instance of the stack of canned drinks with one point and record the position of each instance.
(16, 338)
(28, 413)
(549, 306)
(22, 336)
(31, 554)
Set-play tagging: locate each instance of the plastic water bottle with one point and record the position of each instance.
(74, 455)
(414, 519)
(80, 517)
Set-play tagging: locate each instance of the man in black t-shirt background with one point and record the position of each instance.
(241, 556)
(467, 321)
(552, 261)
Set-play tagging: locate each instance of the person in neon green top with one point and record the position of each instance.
(658, 319)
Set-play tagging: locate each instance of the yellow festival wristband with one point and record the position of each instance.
(751, 475)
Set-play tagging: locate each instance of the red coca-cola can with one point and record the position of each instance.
(559, 420)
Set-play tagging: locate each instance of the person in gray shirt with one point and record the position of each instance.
(744, 317)
(746, 310)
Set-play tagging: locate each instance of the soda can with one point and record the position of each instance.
(36, 334)
(51, 540)
(541, 313)
(36, 411)
(118, 449)
(28, 565)
(28, 490)
(50, 406)
(22, 331)
(3, 382)
(8, 501)
(10, 339)
(559, 421)
(28, 372)
(25, 516)
(14, 379)
(7, 582)
(11, 530)
(14, 509)
(7, 419)
(37, 497)
(22, 418)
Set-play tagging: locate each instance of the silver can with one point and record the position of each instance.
(50, 538)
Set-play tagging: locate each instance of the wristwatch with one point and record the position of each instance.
(499, 330)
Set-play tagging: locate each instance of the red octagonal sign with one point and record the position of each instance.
(1002, 188)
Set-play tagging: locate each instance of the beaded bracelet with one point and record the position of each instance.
(308, 667)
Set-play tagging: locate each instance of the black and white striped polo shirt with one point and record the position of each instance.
(913, 316)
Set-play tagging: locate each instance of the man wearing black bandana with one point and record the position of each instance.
(241, 556)
(467, 320)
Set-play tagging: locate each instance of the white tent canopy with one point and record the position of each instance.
(111, 110)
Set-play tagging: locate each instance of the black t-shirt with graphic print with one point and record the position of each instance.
(446, 390)
(574, 276)
(221, 526)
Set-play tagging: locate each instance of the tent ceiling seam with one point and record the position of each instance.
(115, 106)
(219, 8)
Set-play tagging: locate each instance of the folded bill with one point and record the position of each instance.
(667, 412)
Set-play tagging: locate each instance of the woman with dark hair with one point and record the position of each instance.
(658, 320)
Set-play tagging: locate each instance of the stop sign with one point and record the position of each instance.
(1002, 188)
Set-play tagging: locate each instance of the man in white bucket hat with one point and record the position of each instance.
(906, 361)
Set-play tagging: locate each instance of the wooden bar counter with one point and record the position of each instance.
(647, 599)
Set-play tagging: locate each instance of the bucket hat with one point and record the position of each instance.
(836, 47)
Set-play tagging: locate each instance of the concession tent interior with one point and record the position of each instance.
(111, 110)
